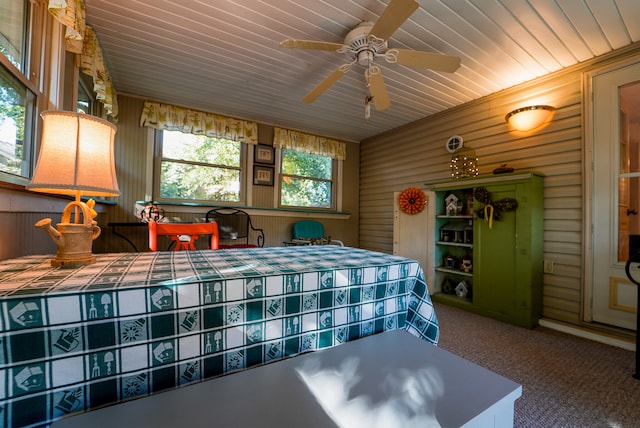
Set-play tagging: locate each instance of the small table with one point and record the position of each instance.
(388, 379)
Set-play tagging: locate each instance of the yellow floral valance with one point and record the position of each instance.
(174, 118)
(92, 64)
(307, 143)
(71, 14)
(81, 39)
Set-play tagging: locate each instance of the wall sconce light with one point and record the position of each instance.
(529, 118)
(76, 158)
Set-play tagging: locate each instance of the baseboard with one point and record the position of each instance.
(630, 346)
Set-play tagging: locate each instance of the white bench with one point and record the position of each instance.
(385, 380)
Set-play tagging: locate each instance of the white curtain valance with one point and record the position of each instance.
(71, 14)
(174, 118)
(307, 143)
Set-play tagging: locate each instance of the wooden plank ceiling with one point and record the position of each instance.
(223, 56)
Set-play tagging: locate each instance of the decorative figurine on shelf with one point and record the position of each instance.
(503, 169)
(465, 264)
(447, 287)
(450, 262)
(469, 196)
(462, 289)
(451, 205)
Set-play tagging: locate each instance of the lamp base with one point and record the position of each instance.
(72, 262)
(74, 240)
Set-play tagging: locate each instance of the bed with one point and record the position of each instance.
(133, 324)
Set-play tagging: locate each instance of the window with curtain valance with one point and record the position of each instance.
(173, 118)
(82, 40)
(307, 143)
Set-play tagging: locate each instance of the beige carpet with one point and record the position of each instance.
(566, 381)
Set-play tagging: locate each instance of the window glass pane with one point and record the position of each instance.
(16, 117)
(200, 168)
(13, 19)
(198, 148)
(188, 181)
(301, 192)
(629, 120)
(305, 164)
(306, 180)
(85, 102)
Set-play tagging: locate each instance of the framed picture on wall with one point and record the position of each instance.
(264, 154)
(263, 175)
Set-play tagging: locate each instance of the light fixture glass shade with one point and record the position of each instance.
(529, 118)
(76, 156)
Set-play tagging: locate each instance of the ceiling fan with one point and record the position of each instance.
(368, 41)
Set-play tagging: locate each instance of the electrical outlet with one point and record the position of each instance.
(548, 266)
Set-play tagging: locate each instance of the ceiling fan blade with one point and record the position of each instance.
(378, 91)
(310, 44)
(429, 60)
(394, 15)
(324, 85)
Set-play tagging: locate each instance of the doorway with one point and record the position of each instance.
(615, 193)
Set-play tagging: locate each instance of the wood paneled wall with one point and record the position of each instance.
(415, 153)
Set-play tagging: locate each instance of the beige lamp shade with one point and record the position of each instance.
(529, 118)
(76, 156)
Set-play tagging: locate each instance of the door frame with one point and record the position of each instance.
(588, 167)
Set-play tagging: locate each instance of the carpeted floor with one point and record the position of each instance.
(566, 381)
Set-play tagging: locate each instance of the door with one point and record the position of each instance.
(616, 193)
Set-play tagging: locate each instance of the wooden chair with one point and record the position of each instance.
(234, 225)
(183, 234)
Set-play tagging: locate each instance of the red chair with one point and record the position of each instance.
(183, 234)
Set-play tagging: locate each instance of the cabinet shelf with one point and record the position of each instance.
(454, 244)
(452, 299)
(454, 271)
(465, 217)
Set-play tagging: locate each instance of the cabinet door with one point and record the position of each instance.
(495, 258)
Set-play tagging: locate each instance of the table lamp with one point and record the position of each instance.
(76, 158)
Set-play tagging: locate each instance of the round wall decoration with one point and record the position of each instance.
(412, 200)
(454, 143)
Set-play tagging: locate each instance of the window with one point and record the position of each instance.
(307, 180)
(14, 32)
(17, 100)
(85, 101)
(17, 111)
(197, 168)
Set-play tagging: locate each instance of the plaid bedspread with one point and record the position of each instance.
(137, 323)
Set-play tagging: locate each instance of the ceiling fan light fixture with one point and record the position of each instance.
(530, 117)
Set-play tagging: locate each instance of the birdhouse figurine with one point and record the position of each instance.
(451, 205)
(462, 289)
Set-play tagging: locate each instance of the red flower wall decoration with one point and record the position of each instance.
(412, 200)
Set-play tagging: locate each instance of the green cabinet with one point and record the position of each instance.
(488, 245)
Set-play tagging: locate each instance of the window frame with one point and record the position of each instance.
(336, 184)
(157, 171)
(32, 75)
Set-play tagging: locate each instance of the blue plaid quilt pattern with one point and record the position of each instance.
(137, 323)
